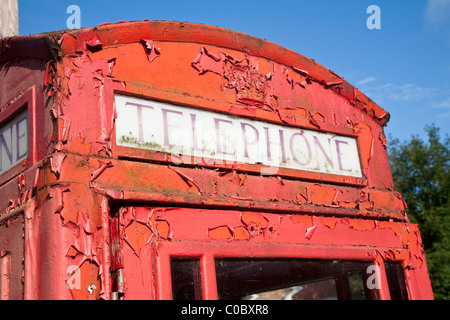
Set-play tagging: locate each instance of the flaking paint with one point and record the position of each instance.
(216, 69)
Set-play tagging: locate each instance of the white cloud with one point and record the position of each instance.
(442, 104)
(366, 81)
(394, 92)
(442, 107)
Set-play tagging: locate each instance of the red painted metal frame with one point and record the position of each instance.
(75, 173)
(353, 240)
(5, 274)
(207, 252)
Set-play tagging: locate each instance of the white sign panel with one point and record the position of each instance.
(14, 142)
(168, 128)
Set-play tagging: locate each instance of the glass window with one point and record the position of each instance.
(292, 279)
(186, 281)
(396, 280)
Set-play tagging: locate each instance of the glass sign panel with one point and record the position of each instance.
(158, 126)
(14, 141)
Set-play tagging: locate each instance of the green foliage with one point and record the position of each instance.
(421, 173)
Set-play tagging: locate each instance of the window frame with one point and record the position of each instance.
(26, 101)
(208, 252)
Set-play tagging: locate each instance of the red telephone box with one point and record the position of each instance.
(167, 160)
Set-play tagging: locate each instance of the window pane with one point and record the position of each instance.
(291, 279)
(396, 280)
(186, 283)
(318, 290)
(356, 286)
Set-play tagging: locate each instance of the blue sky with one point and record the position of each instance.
(404, 66)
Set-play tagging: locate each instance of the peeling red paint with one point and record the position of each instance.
(88, 41)
(329, 222)
(87, 274)
(150, 50)
(361, 225)
(220, 233)
(56, 163)
(365, 142)
(76, 188)
(163, 228)
(247, 111)
(305, 220)
(56, 192)
(241, 233)
(309, 232)
(321, 194)
(99, 171)
(22, 182)
(254, 218)
(187, 179)
(138, 236)
(209, 62)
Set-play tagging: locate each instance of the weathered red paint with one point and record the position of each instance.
(82, 211)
